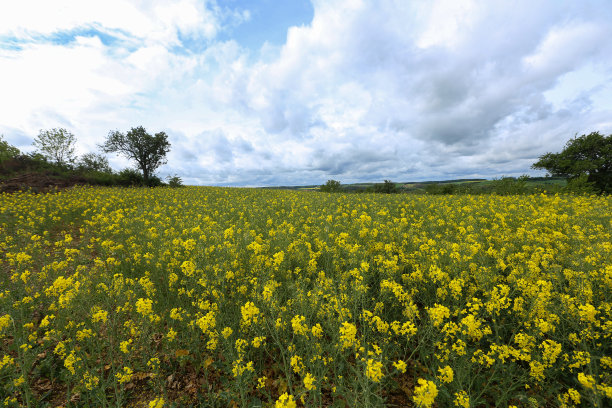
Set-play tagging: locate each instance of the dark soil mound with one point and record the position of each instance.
(39, 182)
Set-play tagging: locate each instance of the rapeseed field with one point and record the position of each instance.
(246, 297)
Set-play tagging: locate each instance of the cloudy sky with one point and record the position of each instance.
(290, 92)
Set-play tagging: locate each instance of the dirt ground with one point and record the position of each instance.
(38, 183)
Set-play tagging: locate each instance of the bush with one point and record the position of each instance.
(510, 185)
(580, 185)
(94, 162)
(388, 187)
(174, 181)
(130, 177)
(331, 186)
(441, 188)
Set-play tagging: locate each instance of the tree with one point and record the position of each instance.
(331, 186)
(94, 162)
(174, 181)
(589, 155)
(7, 151)
(56, 145)
(149, 152)
(388, 187)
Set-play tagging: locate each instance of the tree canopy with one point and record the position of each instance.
(331, 186)
(7, 150)
(56, 145)
(589, 155)
(149, 152)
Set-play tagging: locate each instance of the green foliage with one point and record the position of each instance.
(57, 145)
(510, 185)
(589, 155)
(580, 185)
(331, 186)
(94, 162)
(175, 181)
(130, 177)
(149, 152)
(7, 151)
(387, 187)
(441, 188)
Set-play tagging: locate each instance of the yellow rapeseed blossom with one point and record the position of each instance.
(344, 286)
(299, 327)
(309, 382)
(348, 334)
(587, 381)
(285, 401)
(125, 375)
(462, 400)
(157, 403)
(425, 393)
(250, 314)
(445, 374)
(374, 370)
(400, 365)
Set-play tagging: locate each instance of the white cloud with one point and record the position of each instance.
(366, 91)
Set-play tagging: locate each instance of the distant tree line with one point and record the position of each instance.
(55, 155)
(334, 186)
(584, 166)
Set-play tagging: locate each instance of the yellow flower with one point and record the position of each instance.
(348, 332)
(90, 381)
(298, 325)
(70, 361)
(250, 314)
(124, 376)
(400, 365)
(309, 382)
(6, 361)
(171, 335)
(124, 346)
(144, 306)
(100, 316)
(226, 332)
(374, 370)
(446, 374)
(285, 401)
(462, 400)
(587, 381)
(157, 403)
(297, 364)
(425, 393)
(5, 321)
(438, 313)
(258, 341)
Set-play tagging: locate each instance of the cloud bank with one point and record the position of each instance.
(362, 91)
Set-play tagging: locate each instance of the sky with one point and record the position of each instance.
(297, 92)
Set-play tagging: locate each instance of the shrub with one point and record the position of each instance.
(331, 186)
(387, 187)
(174, 181)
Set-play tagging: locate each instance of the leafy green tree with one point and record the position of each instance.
(94, 162)
(174, 181)
(331, 186)
(589, 155)
(7, 151)
(149, 152)
(388, 187)
(56, 144)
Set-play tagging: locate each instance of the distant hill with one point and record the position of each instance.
(475, 185)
